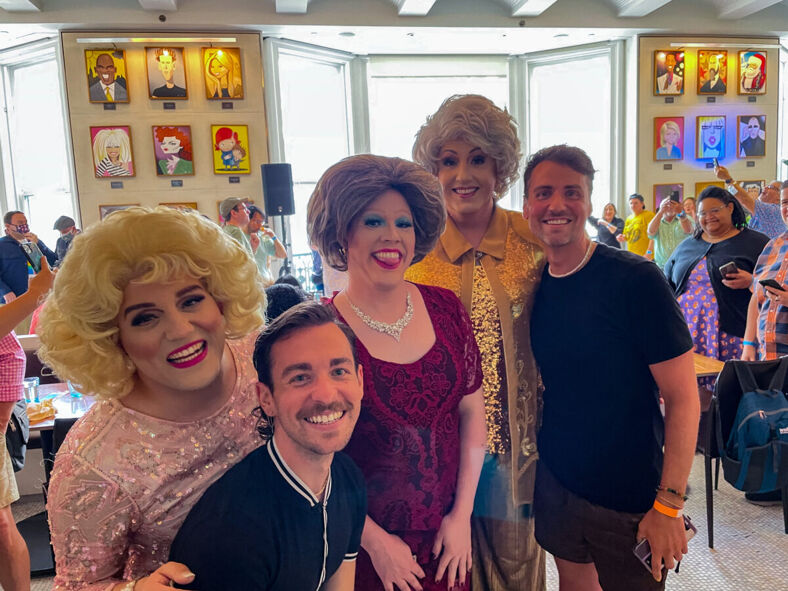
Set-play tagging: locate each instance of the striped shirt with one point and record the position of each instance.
(12, 368)
(772, 318)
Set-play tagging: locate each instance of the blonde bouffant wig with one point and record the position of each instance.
(78, 325)
(476, 120)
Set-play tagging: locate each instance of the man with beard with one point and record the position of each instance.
(603, 481)
(715, 84)
(290, 515)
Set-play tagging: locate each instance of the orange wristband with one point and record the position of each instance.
(667, 511)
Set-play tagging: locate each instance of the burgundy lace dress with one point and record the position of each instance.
(407, 439)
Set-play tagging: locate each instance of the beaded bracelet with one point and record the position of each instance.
(672, 491)
(667, 511)
(750, 343)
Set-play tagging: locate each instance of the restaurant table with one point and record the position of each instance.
(66, 406)
(35, 529)
(707, 366)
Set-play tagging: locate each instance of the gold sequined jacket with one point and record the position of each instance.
(496, 283)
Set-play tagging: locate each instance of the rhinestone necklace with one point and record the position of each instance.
(394, 329)
(587, 256)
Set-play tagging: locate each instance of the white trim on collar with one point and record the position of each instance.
(292, 478)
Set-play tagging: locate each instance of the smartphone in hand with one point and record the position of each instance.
(643, 550)
(728, 269)
(716, 162)
(771, 283)
(32, 254)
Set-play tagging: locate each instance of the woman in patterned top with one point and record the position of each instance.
(767, 315)
(420, 437)
(150, 312)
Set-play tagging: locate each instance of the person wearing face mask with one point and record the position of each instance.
(68, 229)
(13, 263)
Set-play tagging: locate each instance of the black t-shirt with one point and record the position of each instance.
(260, 528)
(594, 334)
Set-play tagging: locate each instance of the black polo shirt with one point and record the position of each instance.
(259, 527)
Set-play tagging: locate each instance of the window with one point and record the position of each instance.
(555, 113)
(35, 146)
(308, 119)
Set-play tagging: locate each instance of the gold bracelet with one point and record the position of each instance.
(129, 586)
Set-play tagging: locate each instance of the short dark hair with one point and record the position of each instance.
(785, 184)
(281, 297)
(10, 215)
(288, 279)
(303, 315)
(738, 216)
(637, 196)
(253, 209)
(570, 156)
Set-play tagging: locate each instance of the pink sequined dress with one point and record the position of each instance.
(123, 482)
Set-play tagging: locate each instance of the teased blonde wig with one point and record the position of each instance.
(476, 120)
(348, 187)
(79, 322)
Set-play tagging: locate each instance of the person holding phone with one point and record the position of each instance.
(13, 262)
(766, 334)
(668, 228)
(712, 292)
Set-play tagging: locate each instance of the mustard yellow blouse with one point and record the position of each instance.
(496, 283)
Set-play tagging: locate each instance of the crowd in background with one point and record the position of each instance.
(439, 370)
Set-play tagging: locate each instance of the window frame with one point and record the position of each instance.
(11, 59)
(524, 66)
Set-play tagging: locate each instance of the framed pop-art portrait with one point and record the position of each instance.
(230, 149)
(105, 210)
(181, 205)
(172, 150)
(712, 71)
(663, 191)
(107, 79)
(700, 186)
(751, 136)
(710, 137)
(222, 71)
(112, 152)
(668, 138)
(752, 72)
(753, 188)
(668, 72)
(166, 73)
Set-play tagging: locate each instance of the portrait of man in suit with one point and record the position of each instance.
(712, 72)
(669, 72)
(106, 76)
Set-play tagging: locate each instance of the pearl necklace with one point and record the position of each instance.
(394, 329)
(587, 256)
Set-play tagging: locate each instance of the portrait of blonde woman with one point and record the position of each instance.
(112, 154)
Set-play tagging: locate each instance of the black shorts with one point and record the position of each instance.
(571, 528)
